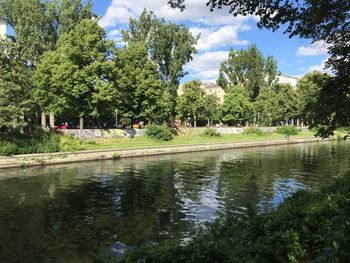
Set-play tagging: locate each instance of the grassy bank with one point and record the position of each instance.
(311, 226)
(40, 142)
(74, 145)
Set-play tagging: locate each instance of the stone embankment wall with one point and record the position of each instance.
(114, 133)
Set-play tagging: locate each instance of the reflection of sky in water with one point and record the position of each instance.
(204, 208)
(282, 189)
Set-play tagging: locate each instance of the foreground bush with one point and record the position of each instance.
(159, 132)
(253, 130)
(308, 227)
(211, 132)
(288, 130)
(37, 141)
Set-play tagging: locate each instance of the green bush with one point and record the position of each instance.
(288, 130)
(69, 143)
(310, 226)
(159, 132)
(253, 130)
(211, 132)
(36, 141)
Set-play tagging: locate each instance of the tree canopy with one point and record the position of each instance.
(247, 68)
(170, 46)
(75, 78)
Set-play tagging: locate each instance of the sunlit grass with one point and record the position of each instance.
(186, 139)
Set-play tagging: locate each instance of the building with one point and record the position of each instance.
(285, 79)
(209, 88)
(3, 27)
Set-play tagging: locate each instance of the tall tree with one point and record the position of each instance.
(211, 106)
(38, 24)
(237, 108)
(288, 103)
(141, 92)
(33, 26)
(308, 88)
(249, 69)
(75, 78)
(15, 100)
(191, 102)
(170, 46)
(266, 106)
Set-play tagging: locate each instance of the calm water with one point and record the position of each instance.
(78, 213)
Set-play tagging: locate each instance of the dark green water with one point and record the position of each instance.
(80, 212)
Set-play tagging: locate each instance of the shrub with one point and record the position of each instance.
(37, 141)
(288, 130)
(159, 132)
(211, 132)
(69, 143)
(253, 130)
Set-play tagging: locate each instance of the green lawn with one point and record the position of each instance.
(74, 145)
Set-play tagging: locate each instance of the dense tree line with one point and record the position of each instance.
(60, 60)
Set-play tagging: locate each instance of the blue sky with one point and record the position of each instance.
(220, 31)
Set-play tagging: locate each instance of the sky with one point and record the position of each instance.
(220, 32)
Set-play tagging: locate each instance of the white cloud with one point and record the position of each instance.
(319, 67)
(196, 11)
(224, 36)
(206, 66)
(315, 49)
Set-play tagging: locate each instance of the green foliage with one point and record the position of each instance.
(15, 101)
(307, 227)
(69, 143)
(159, 132)
(75, 78)
(288, 130)
(170, 46)
(191, 102)
(308, 89)
(37, 142)
(141, 91)
(253, 130)
(237, 108)
(247, 68)
(211, 132)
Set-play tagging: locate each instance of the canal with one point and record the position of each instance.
(81, 212)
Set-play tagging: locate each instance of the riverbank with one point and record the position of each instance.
(30, 160)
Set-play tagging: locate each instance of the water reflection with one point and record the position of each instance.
(75, 213)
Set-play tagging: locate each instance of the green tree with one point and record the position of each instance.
(308, 88)
(211, 107)
(15, 100)
(32, 24)
(170, 46)
(266, 106)
(237, 108)
(75, 78)
(38, 24)
(141, 92)
(288, 103)
(249, 69)
(191, 102)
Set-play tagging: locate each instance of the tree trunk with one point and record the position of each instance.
(194, 120)
(43, 120)
(81, 126)
(52, 120)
